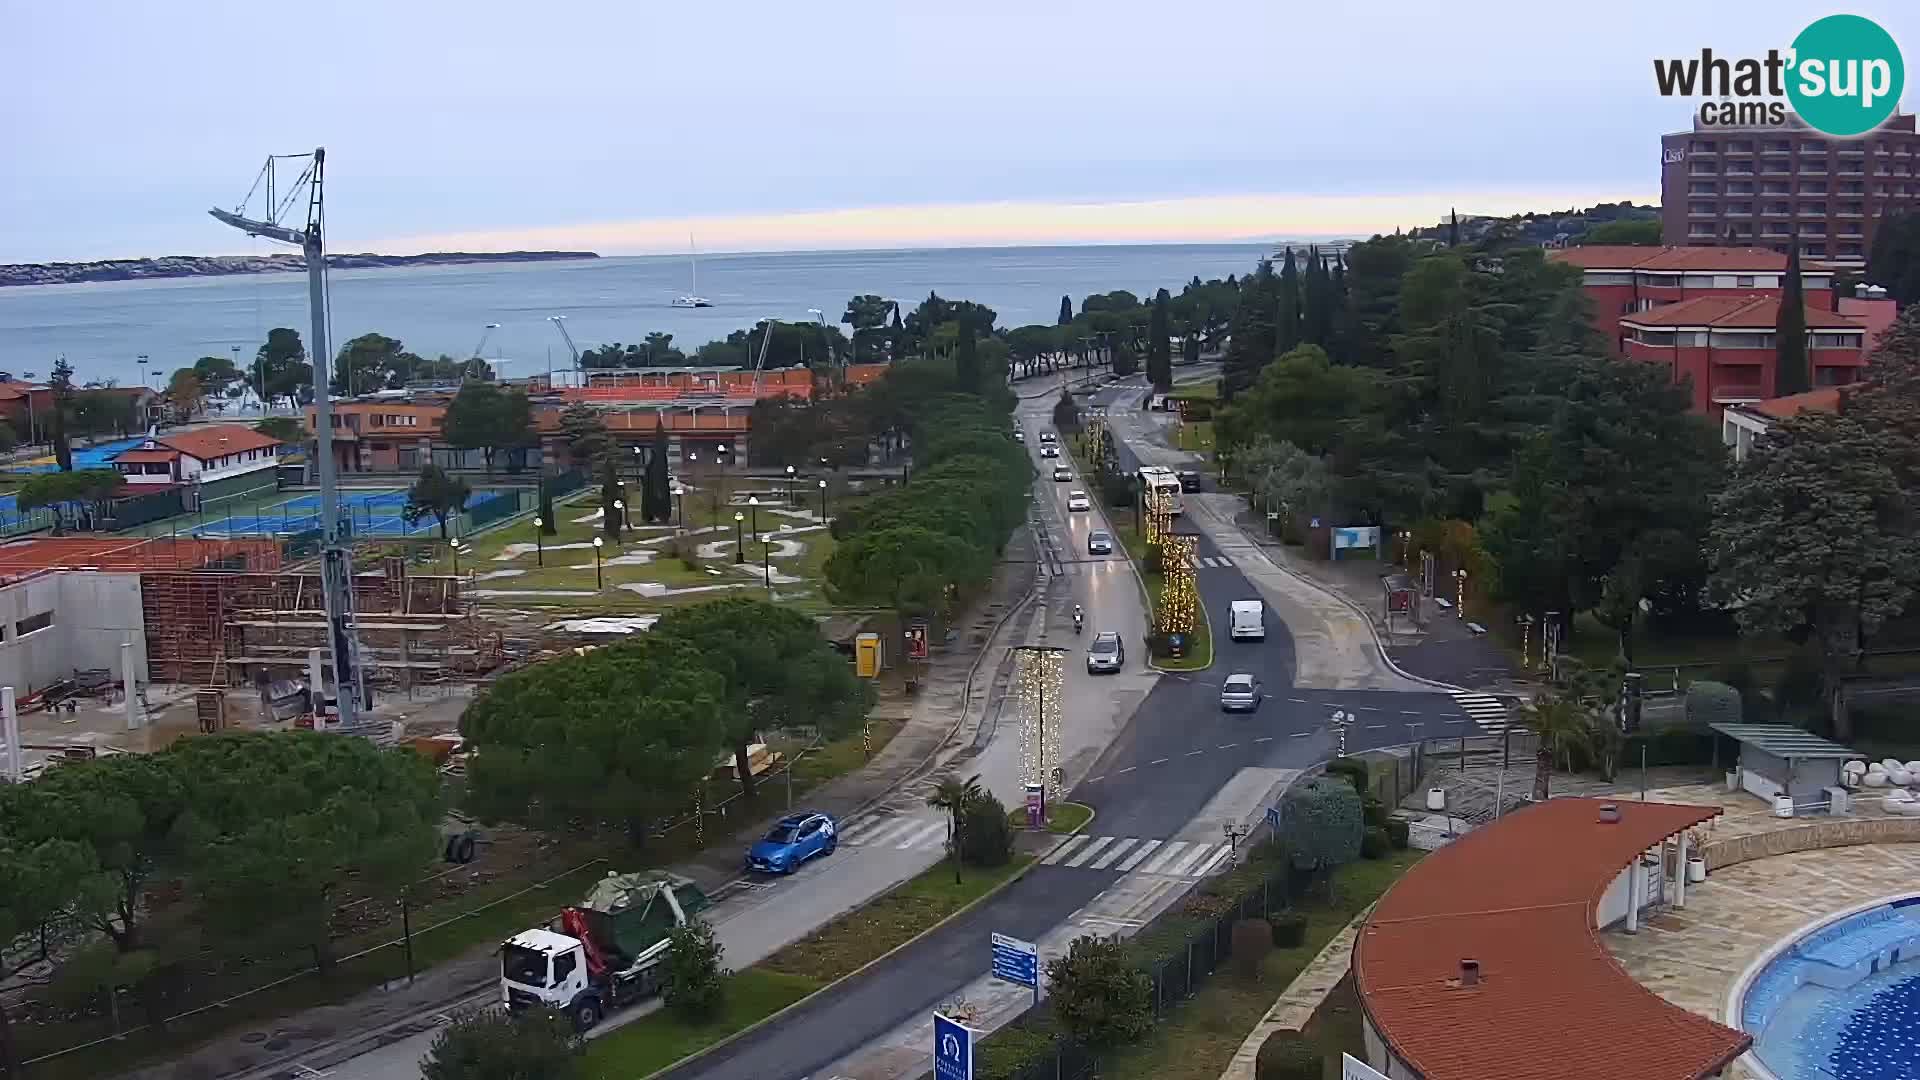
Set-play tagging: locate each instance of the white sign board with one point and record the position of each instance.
(1352, 1068)
(1360, 536)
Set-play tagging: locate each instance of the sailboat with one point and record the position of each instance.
(693, 298)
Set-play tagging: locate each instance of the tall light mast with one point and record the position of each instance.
(336, 562)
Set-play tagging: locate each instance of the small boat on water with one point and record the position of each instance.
(693, 298)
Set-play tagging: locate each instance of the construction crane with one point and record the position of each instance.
(560, 323)
(760, 362)
(484, 335)
(336, 562)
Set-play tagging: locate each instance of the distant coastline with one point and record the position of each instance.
(176, 266)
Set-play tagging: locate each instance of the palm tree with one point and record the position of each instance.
(954, 796)
(1562, 725)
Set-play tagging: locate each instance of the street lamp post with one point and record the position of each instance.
(1460, 593)
(539, 541)
(598, 581)
(679, 504)
(143, 360)
(620, 511)
(823, 502)
(455, 547)
(753, 507)
(789, 485)
(720, 454)
(739, 547)
(1340, 721)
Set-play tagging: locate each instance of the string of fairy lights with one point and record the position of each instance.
(1179, 598)
(1040, 689)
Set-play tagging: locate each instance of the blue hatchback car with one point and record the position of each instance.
(793, 840)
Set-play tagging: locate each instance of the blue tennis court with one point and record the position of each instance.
(90, 457)
(364, 513)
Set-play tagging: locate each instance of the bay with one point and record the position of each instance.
(102, 327)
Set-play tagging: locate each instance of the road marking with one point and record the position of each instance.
(1298, 700)
(1126, 770)
(1227, 746)
(1133, 860)
(1225, 850)
(1170, 851)
(1268, 738)
(1369, 708)
(1095, 779)
(1409, 712)
(1080, 857)
(1195, 753)
(1114, 853)
(1301, 734)
(1453, 721)
(1373, 727)
(1192, 859)
(924, 834)
(1158, 761)
(889, 832)
(1053, 857)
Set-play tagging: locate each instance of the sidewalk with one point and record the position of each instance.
(334, 1033)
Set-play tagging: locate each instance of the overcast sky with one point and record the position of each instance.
(621, 125)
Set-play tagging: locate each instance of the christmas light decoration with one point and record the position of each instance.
(1179, 598)
(1040, 689)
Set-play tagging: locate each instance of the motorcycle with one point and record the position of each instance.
(1078, 621)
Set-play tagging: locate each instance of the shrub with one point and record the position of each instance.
(1287, 1055)
(1289, 930)
(1322, 821)
(987, 839)
(1099, 996)
(1374, 843)
(1353, 770)
(1373, 812)
(1151, 564)
(694, 984)
(536, 1045)
(1399, 832)
(1252, 941)
(1712, 703)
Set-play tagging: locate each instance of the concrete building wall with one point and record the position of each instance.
(57, 622)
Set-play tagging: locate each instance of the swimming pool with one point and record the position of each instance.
(1840, 1000)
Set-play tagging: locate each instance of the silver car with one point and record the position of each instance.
(1106, 655)
(1099, 542)
(1241, 693)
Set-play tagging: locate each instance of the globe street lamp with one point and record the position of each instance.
(458, 549)
(720, 454)
(539, 541)
(739, 551)
(823, 502)
(753, 506)
(620, 510)
(789, 485)
(1341, 720)
(679, 503)
(598, 582)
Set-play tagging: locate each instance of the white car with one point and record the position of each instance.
(1077, 500)
(1049, 450)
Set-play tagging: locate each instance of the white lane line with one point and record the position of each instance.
(1195, 753)
(1408, 712)
(1053, 857)
(1080, 857)
(1158, 761)
(922, 836)
(1453, 721)
(1133, 860)
(1191, 860)
(1301, 734)
(1095, 779)
(1227, 746)
(1369, 708)
(1170, 851)
(1126, 770)
(1219, 856)
(1298, 700)
(1266, 738)
(1114, 853)
(1374, 727)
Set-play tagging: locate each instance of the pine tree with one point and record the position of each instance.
(1066, 310)
(609, 494)
(1286, 325)
(1317, 320)
(1337, 293)
(1790, 374)
(1159, 354)
(966, 359)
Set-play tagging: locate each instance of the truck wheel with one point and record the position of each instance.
(586, 1013)
(463, 849)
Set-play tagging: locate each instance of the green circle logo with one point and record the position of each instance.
(1846, 76)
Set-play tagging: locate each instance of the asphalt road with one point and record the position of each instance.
(1166, 763)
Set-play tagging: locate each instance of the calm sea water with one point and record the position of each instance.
(103, 327)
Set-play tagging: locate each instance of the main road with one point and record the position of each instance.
(1176, 769)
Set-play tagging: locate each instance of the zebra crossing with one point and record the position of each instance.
(899, 833)
(1127, 854)
(1485, 710)
(1089, 566)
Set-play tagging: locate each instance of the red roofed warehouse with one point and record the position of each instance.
(222, 460)
(1485, 963)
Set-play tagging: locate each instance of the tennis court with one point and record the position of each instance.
(98, 456)
(364, 513)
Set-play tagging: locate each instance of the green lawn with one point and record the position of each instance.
(654, 1042)
(1062, 817)
(1197, 1039)
(1196, 435)
(1198, 391)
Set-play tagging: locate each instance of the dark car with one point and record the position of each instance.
(1189, 480)
(793, 840)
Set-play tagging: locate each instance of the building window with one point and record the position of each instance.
(32, 623)
(1835, 341)
(1743, 281)
(1690, 337)
(1814, 187)
(1816, 251)
(1654, 337)
(1699, 188)
(1724, 339)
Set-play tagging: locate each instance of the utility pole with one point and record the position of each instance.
(335, 557)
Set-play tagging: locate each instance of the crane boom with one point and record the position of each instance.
(568, 338)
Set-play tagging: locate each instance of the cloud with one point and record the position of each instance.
(1197, 219)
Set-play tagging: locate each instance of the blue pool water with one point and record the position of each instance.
(1842, 1003)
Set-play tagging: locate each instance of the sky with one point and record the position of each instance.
(625, 126)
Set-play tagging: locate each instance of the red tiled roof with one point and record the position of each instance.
(1757, 311)
(139, 456)
(1826, 400)
(1630, 257)
(14, 391)
(1520, 896)
(208, 443)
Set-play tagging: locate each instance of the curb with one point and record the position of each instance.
(883, 957)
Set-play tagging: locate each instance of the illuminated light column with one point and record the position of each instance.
(1040, 688)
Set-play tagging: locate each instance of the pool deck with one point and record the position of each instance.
(1692, 956)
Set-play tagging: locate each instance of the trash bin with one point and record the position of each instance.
(1783, 805)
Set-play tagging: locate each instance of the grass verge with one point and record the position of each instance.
(1062, 817)
(654, 1042)
(1200, 643)
(1195, 435)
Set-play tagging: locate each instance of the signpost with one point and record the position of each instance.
(952, 1049)
(1017, 962)
(1352, 1068)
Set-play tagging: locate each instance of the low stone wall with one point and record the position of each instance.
(1831, 833)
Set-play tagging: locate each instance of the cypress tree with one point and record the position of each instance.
(1286, 323)
(1066, 310)
(609, 494)
(548, 527)
(1159, 353)
(1250, 335)
(658, 487)
(966, 359)
(1791, 374)
(1453, 229)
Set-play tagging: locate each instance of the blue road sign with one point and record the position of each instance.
(1273, 818)
(1016, 961)
(952, 1049)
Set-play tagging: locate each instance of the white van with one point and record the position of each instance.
(1246, 621)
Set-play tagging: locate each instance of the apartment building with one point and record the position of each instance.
(1724, 346)
(1624, 280)
(1772, 186)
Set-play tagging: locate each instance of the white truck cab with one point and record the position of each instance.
(1246, 621)
(601, 954)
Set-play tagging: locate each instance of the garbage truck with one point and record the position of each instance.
(604, 953)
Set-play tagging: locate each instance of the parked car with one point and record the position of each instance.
(1099, 542)
(1106, 655)
(1189, 480)
(1062, 474)
(793, 840)
(1241, 693)
(1077, 500)
(1049, 450)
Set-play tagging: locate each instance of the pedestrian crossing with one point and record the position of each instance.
(1127, 854)
(897, 833)
(1090, 566)
(1485, 710)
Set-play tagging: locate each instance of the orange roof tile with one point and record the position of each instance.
(219, 440)
(1826, 400)
(1630, 257)
(139, 456)
(1732, 312)
(1520, 896)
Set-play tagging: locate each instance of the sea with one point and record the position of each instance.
(103, 328)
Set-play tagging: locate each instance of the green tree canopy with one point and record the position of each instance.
(484, 417)
(1099, 994)
(498, 1045)
(437, 494)
(1301, 398)
(1321, 820)
(280, 367)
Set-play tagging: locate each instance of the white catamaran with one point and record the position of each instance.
(693, 297)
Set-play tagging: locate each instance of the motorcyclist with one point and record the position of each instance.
(1079, 617)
